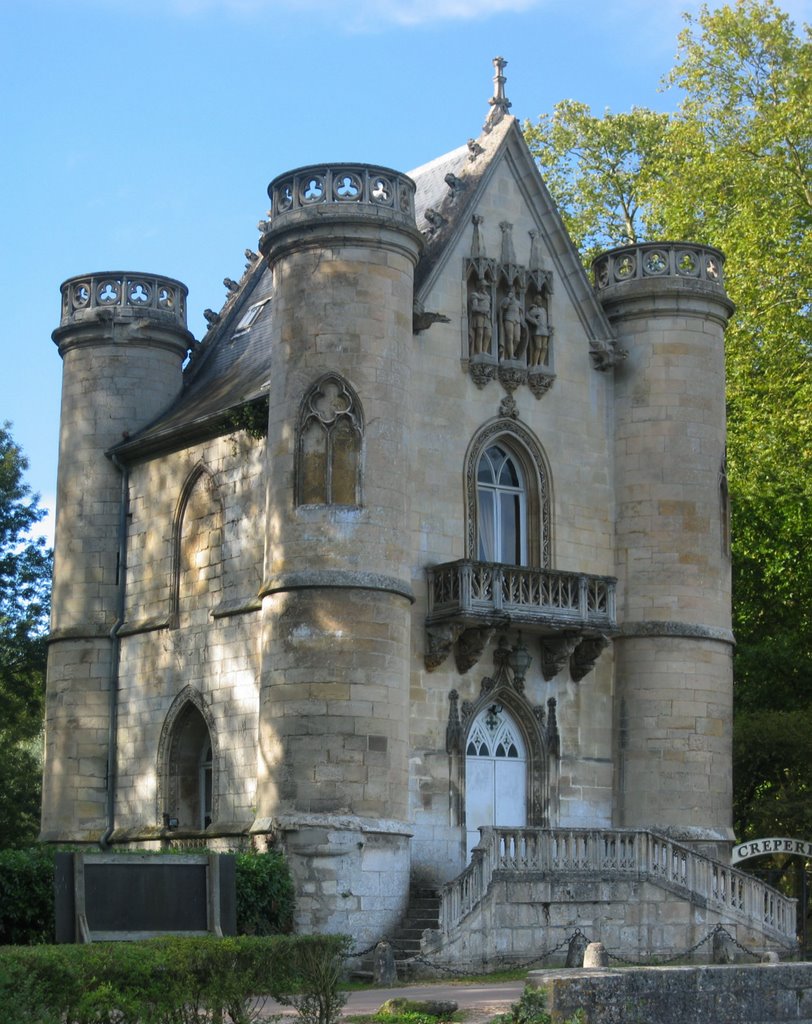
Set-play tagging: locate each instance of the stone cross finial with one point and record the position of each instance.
(499, 103)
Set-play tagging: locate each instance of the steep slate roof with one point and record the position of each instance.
(230, 368)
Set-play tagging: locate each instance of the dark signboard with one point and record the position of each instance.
(122, 896)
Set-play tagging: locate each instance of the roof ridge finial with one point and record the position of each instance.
(499, 103)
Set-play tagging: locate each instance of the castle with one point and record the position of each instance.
(427, 535)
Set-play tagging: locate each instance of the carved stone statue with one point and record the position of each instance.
(480, 320)
(510, 312)
(538, 353)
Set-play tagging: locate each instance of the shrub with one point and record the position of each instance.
(531, 1009)
(265, 896)
(27, 896)
(167, 981)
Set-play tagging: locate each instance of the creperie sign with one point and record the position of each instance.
(758, 847)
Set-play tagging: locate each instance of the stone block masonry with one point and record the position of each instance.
(735, 994)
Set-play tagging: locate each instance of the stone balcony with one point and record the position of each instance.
(573, 614)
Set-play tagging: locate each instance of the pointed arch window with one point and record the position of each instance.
(187, 764)
(501, 507)
(507, 497)
(198, 548)
(330, 435)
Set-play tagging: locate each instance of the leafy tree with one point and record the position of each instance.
(732, 167)
(25, 574)
(600, 170)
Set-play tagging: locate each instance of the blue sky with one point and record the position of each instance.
(142, 136)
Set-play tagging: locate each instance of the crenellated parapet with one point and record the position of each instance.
(125, 294)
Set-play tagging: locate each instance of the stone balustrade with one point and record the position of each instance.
(545, 598)
(126, 293)
(341, 185)
(658, 260)
(616, 854)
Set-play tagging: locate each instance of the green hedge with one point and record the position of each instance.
(27, 896)
(167, 981)
(265, 896)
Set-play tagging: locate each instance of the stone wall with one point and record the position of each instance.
(735, 994)
(522, 918)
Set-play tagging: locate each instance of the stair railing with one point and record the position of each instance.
(615, 853)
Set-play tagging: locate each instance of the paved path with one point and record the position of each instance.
(488, 999)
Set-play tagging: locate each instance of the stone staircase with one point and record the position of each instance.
(422, 912)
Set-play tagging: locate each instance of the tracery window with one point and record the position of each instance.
(507, 497)
(330, 437)
(501, 508)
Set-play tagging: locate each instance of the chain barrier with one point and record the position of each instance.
(502, 961)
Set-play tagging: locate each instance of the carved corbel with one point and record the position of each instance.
(556, 651)
(511, 374)
(482, 370)
(469, 647)
(539, 381)
(585, 655)
(439, 641)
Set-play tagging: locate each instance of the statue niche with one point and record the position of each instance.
(508, 322)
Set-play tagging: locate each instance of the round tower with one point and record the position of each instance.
(334, 709)
(673, 657)
(122, 339)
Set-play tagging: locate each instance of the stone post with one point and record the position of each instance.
(122, 339)
(333, 757)
(673, 656)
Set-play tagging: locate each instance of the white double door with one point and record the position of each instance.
(495, 774)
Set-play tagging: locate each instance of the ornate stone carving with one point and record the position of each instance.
(474, 149)
(511, 374)
(455, 185)
(482, 370)
(480, 327)
(509, 313)
(539, 381)
(585, 655)
(512, 336)
(231, 285)
(508, 407)
(435, 219)
(507, 256)
(556, 651)
(439, 641)
(499, 103)
(605, 354)
(469, 647)
(421, 320)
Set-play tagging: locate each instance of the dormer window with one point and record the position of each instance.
(251, 315)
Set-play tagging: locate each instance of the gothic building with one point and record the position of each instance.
(415, 566)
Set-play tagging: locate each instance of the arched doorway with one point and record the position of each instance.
(495, 773)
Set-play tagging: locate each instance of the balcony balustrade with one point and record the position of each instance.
(568, 610)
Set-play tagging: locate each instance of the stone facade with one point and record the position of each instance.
(299, 577)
